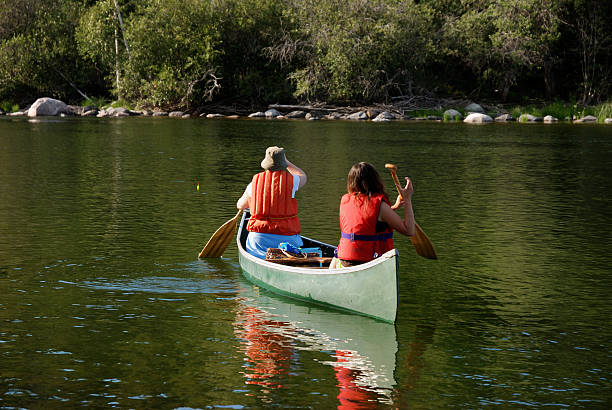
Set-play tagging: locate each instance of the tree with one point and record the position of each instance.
(38, 50)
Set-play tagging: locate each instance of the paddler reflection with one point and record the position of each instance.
(271, 329)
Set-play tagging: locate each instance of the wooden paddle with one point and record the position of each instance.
(217, 243)
(420, 241)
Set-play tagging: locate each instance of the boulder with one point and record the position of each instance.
(333, 116)
(477, 118)
(296, 114)
(176, 114)
(372, 113)
(608, 121)
(215, 115)
(588, 118)
(48, 106)
(272, 113)
(384, 116)
(358, 116)
(529, 118)
(473, 107)
(550, 118)
(257, 114)
(504, 118)
(452, 115)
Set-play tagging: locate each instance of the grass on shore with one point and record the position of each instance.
(563, 110)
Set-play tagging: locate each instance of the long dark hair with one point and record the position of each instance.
(363, 179)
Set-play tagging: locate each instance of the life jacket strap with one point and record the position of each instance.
(356, 237)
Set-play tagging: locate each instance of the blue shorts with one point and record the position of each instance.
(258, 243)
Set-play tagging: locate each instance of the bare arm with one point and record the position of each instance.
(387, 213)
(294, 170)
(244, 201)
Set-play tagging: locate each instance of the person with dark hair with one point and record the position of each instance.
(367, 219)
(270, 198)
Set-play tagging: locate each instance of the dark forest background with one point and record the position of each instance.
(185, 54)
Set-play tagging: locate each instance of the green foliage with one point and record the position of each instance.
(174, 52)
(97, 102)
(603, 111)
(8, 106)
(183, 54)
(37, 49)
(348, 58)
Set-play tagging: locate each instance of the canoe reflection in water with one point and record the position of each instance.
(274, 330)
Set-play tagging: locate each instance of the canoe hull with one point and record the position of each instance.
(369, 289)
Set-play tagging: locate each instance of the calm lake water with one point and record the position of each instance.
(103, 302)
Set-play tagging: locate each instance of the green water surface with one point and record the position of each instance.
(103, 302)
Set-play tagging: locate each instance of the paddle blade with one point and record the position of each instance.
(421, 243)
(218, 242)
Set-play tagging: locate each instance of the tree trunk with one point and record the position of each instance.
(118, 15)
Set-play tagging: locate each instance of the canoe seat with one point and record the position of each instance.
(295, 259)
(314, 262)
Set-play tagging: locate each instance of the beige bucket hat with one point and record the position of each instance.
(275, 159)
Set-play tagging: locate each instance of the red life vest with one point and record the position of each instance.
(359, 240)
(273, 210)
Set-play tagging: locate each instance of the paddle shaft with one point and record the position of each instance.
(420, 241)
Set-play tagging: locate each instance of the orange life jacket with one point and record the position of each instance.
(359, 240)
(273, 210)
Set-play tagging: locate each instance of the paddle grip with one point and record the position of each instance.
(393, 169)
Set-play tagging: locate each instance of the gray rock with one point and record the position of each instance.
(296, 114)
(504, 118)
(477, 118)
(385, 115)
(313, 116)
(272, 113)
(257, 114)
(333, 116)
(90, 113)
(608, 121)
(119, 112)
(474, 108)
(215, 115)
(186, 116)
(48, 106)
(529, 118)
(160, 114)
(550, 118)
(358, 116)
(434, 118)
(588, 118)
(372, 113)
(452, 115)
(17, 114)
(175, 114)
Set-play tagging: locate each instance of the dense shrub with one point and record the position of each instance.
(183, 54)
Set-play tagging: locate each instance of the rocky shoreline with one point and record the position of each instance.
(475, 113)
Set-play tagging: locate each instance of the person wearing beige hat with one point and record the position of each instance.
(270, 197)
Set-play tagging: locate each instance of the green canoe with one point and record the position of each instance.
(368, 289)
